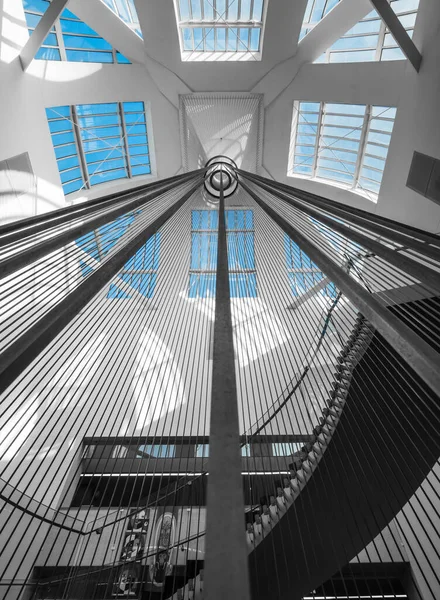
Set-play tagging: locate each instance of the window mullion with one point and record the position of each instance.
(362, 146)
(124, 138)
(318, 139)
(79, 147)
(60, 38)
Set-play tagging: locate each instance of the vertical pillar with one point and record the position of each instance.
(226, 569)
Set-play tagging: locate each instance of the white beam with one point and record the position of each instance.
(110, 27)
(309, 294)
(333, 26)
(398, 32)
(40, 32)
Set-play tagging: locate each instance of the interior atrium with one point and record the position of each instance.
(219, 299)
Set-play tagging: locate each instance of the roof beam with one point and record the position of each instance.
(333, 26)
(309, 293)
(40, 32)
(398, 32)
(110, 27)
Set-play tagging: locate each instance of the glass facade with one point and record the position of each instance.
(241, 257)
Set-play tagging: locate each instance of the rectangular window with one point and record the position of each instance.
(139, 274)
(126, 10)
(220, 27)
(157, 450)
(344, 143)
(303, 274)
(95, 143)
(202, 450)
(286, 448)
(241, 258)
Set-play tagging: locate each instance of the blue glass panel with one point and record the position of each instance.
(84, 56)
(198, 39)
(352, 133)
(57, 112)
(337, 154)
(107, 144)
(371, 174)
(220, 33)
(32, 20)
(232, 39)
(134, 118)
(257, 13)
(303, 169)
(66, 14)
(304, 149)
(137, 139)
(201, 285)
(339, 176)
(115, 292)
(187, 39)
(63, 151)
(355, 56)
(98, 121)
(51, 40)
(76, 27)
(62, 125)
(104, 154)
(39, 6)
(135, 150)
(369, 185)
(380, 138)
(243, 45)
(384, 111)
(304, 160)
(87, 43)
(377, 150)
(382, 125)
(48, 54)
(68, 163)
(90, 134)
(196, 9)
(96, 109)
(137, 129)
(74, 186)
(107, 176)
(184, 10)
(62, 138)
(209, 39)
(143, 159)
(364, 41)
(392, 54)
(140, 170)
(106, 165)
(71, 175)
(376, 163)
(343, 143)
(255, 39)
(121, 59)
(336, 164)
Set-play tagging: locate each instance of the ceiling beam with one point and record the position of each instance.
(333, 26)
(40, 32)
(398, 32)
(109, 26)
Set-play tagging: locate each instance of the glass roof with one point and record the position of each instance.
(95, 143)
(70, 38)
(126, 10)
(223, 26)
(369, 40)
(345, 143)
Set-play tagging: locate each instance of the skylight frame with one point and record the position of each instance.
(236, 45)
(136, 155)
(133, 19)
(360, 175)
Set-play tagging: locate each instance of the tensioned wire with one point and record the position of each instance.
(259, 269)
(382, 270)
(54, 268)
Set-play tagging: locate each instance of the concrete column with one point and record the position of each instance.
(226, 570)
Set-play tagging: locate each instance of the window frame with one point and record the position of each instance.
(359, 156)
(207, 25)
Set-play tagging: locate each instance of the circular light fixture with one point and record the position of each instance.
(221, 172)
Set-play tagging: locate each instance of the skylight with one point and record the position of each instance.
(70, 39)
(241, 258)
(139, 274)
(369, 40)
(344, 143)
(95, 143)
(126, 10)
(220, 29)
(303, 274)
